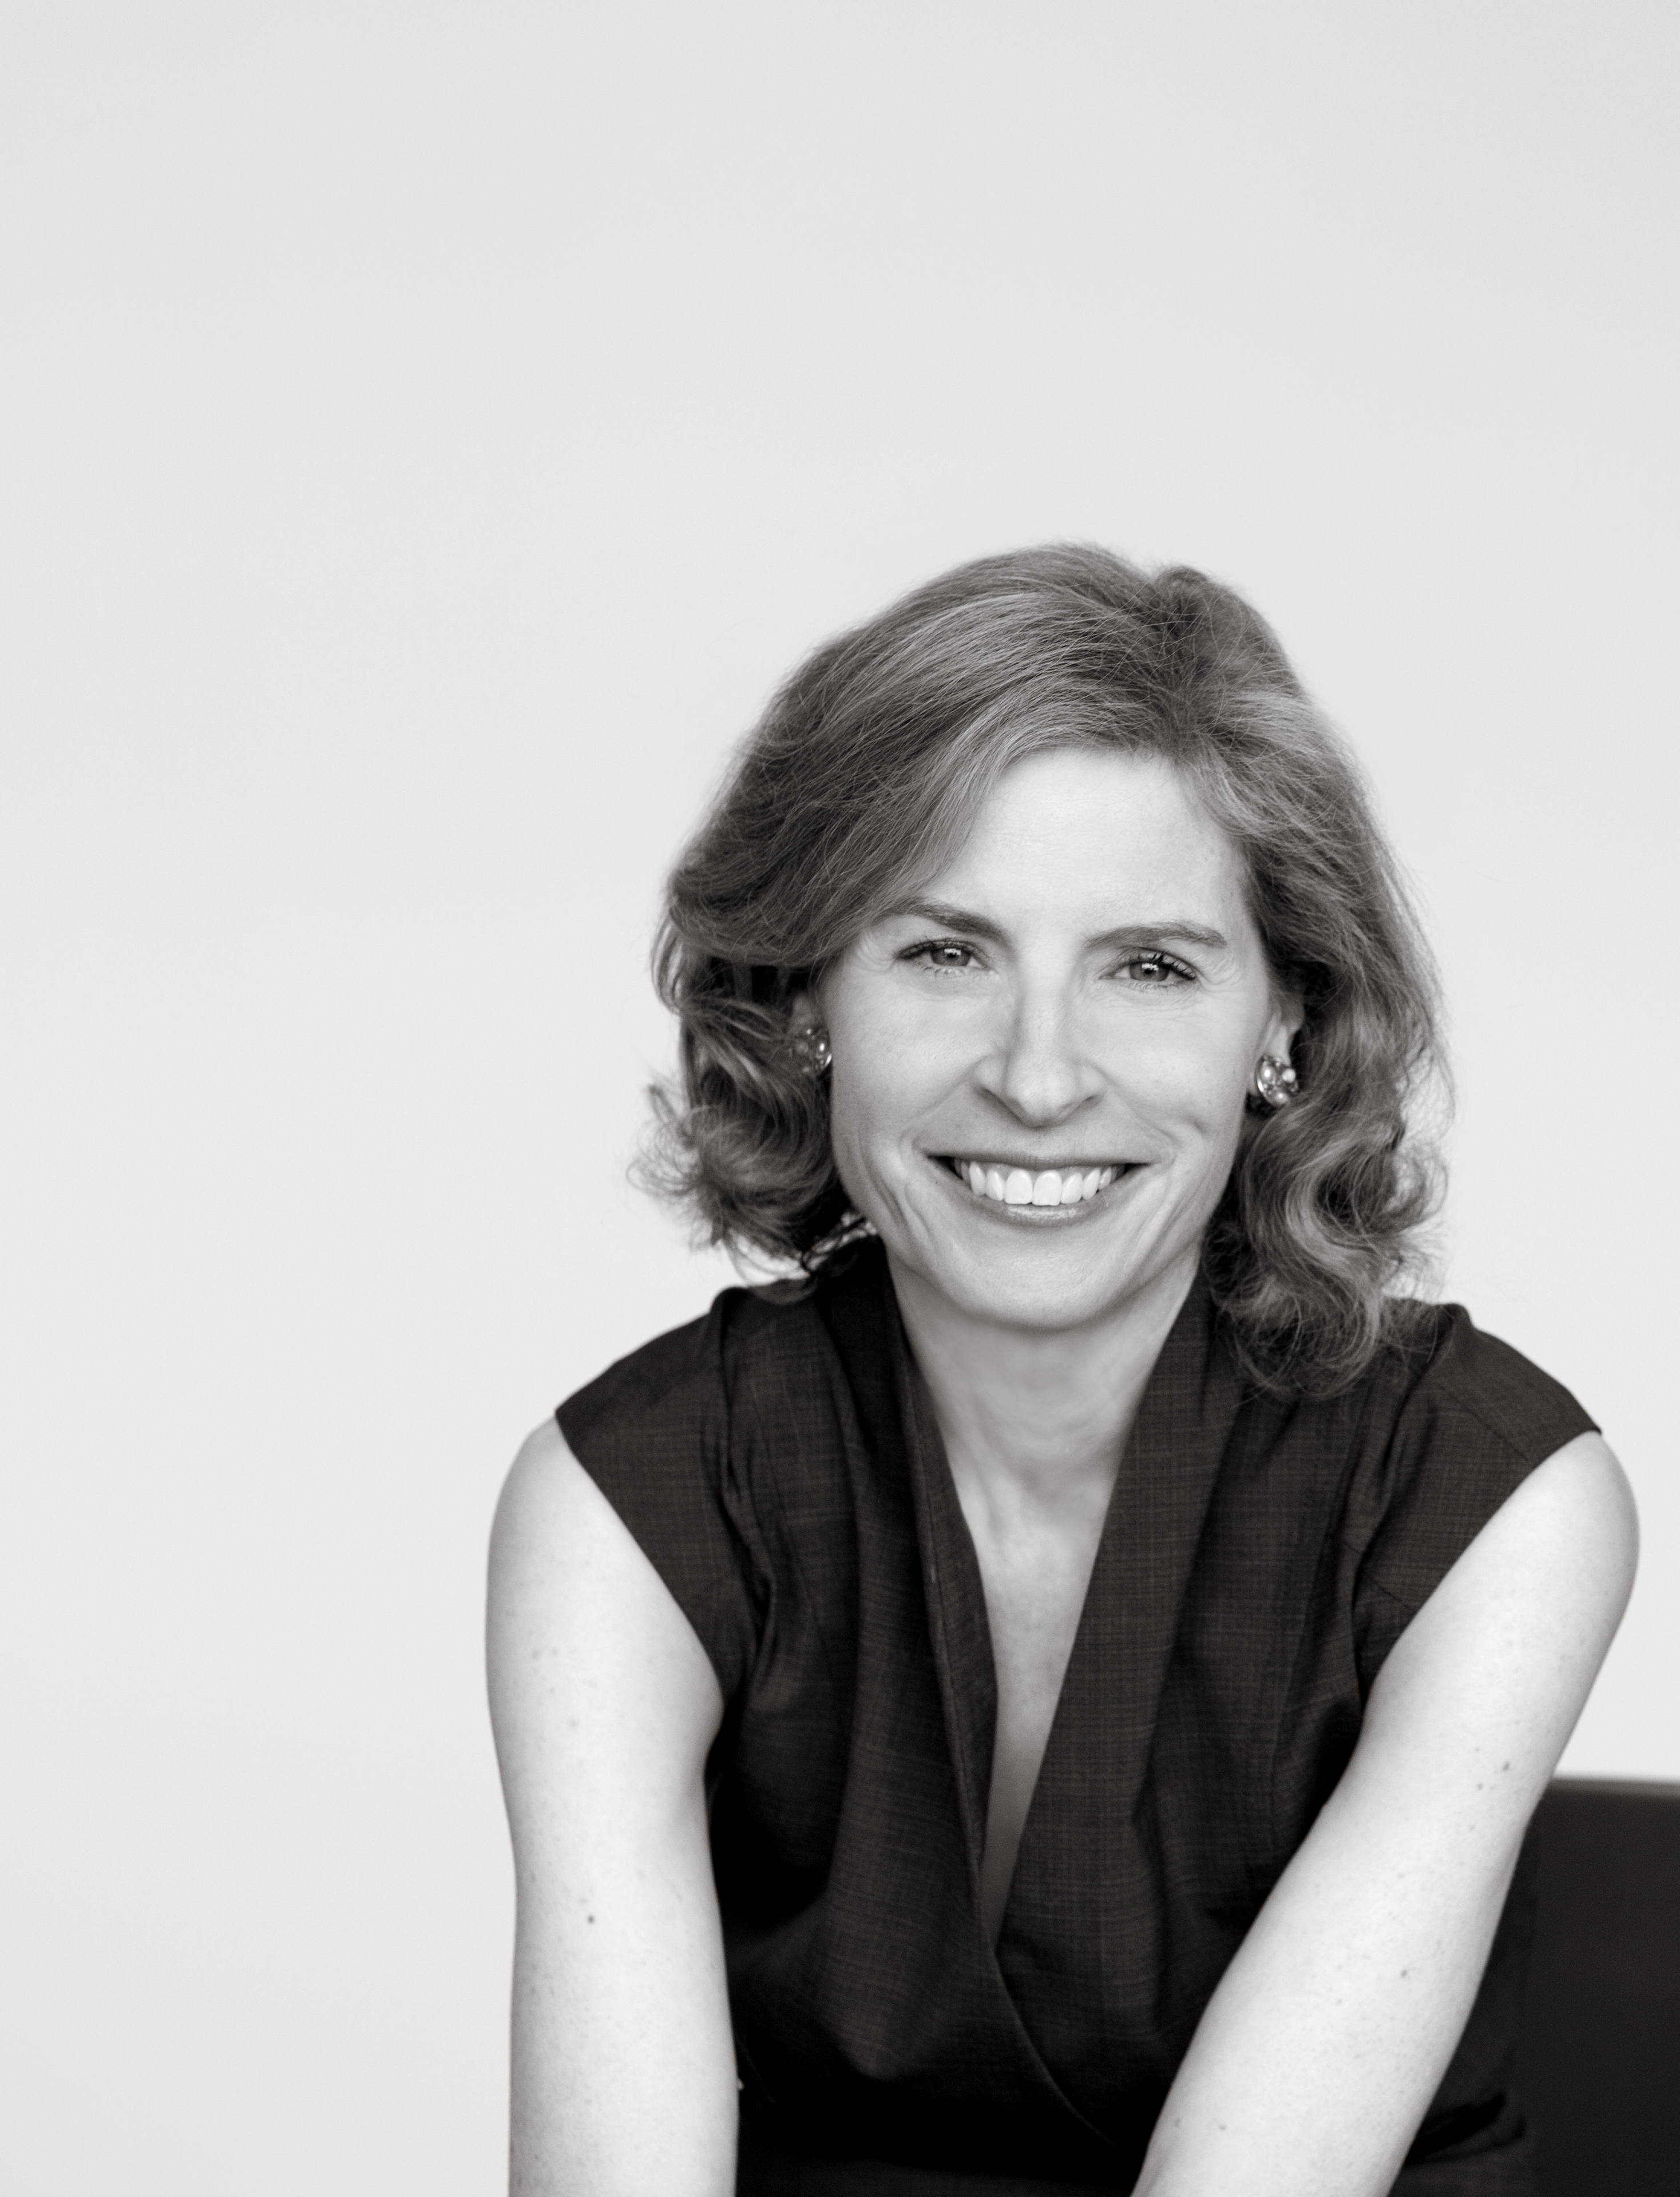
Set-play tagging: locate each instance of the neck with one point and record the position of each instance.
(1045, 1411)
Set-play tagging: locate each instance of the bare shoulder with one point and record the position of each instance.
(583, 1635)
(1498, 1664)
(554, 1529)
(545, 1509)
(1582, 1490)
(1564, 1544)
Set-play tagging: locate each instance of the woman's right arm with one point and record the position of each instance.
(605, 1704)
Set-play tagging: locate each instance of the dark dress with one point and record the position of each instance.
(779, 1463)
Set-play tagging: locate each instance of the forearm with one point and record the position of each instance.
(1329, 2035)
(623, 2070)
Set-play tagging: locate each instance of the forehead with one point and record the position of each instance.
(1074, 828)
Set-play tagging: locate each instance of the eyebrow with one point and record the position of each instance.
(1175, 931)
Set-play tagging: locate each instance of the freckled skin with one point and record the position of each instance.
(1045, 1047)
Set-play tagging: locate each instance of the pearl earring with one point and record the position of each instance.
(1275, 1081)
(812, 1050)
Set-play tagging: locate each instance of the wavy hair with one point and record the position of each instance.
(863, 777)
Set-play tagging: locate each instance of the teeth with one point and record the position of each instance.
(1049, 1186)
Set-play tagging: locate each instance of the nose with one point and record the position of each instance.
(1040, 1071)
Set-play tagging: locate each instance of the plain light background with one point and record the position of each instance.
(427, 433)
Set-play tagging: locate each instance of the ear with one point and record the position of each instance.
(804, 1009)
(1288, 1014)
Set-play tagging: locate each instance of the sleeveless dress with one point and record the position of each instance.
(779, 1463)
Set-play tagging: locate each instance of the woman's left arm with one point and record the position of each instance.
(1320, 2052)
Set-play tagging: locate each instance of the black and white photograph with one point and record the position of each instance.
(839, 1231)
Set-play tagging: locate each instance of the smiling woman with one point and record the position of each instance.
(1052, 1037)
(1050, 1694)
(867, 774)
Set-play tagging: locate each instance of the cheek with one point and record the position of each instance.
(1189, 1075)
(892, 1061)
(864, 1103)
(866, 1114)
(845, 1116)
(874, 1100)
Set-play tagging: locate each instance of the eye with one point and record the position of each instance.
(1152, 970)
(944, 956)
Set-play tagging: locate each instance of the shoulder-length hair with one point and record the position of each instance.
(863, 776)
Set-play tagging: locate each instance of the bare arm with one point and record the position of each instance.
(1318, 2053)
(604, 1704)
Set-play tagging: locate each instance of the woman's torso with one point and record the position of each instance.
(778, 1464)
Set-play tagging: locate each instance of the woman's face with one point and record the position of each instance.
(1070, 1013)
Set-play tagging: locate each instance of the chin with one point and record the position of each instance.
(1042, 1288)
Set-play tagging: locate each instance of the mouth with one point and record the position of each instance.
(1038, 1189)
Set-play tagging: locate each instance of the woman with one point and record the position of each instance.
(1054, 1697)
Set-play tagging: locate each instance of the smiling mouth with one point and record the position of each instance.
(1002, 1185)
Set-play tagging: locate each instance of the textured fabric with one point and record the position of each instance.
(779, 1463)
(768, 2168)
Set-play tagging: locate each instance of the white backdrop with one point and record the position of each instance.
(428, 431)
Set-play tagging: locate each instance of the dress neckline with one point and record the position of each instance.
(1142, 1565)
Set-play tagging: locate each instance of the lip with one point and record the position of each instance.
(1031, 1216)
(1033, 1164)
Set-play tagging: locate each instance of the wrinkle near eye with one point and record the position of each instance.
(930, 954)
(1156, 971)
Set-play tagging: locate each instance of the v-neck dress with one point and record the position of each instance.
(779, 1463)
